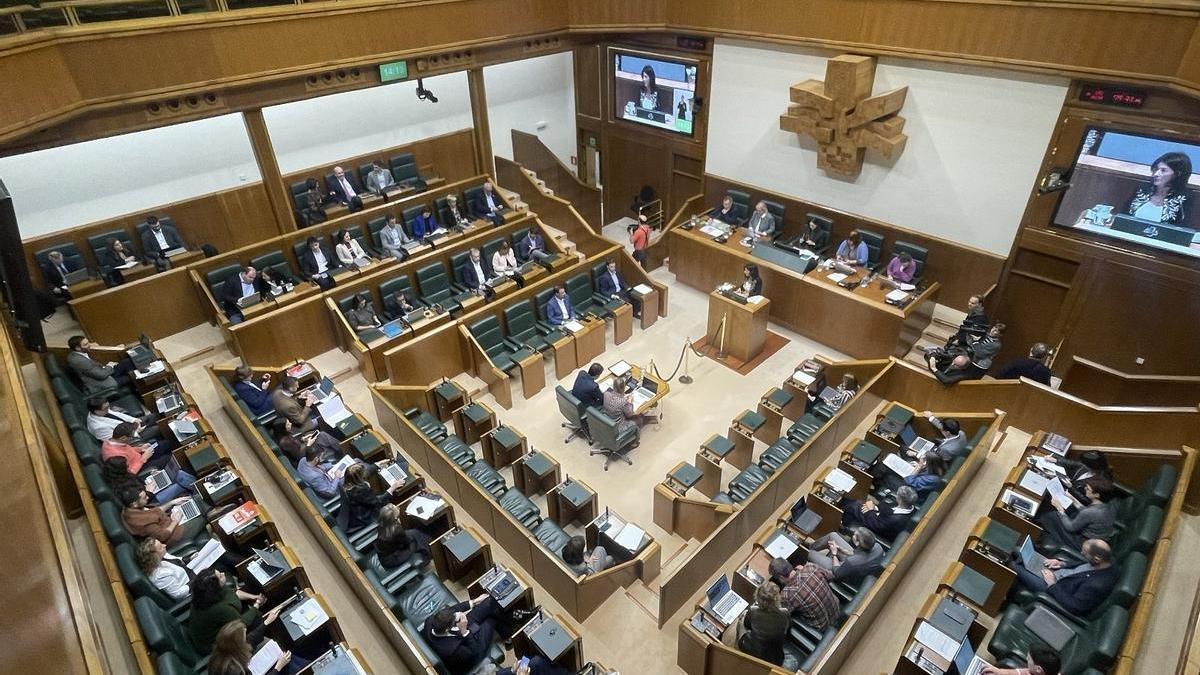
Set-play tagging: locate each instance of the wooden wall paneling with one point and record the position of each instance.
(450, 155)
(1102, 385)
(278, 195)
(598, 16)
(630, 161)
(482, 136)
(426, 358)
(157, 306)
(300, 331)
(588, 65)
(532, 154)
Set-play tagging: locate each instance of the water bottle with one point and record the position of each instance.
(866, 281)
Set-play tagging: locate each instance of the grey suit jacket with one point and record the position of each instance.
(983, 351)
(377, 180)
(762, 223)
(96, 377)
(859, 565)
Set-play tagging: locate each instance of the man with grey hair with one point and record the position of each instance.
(883, 520)
(1078, 587)
(850, 561)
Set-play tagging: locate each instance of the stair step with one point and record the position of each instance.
(473, 385)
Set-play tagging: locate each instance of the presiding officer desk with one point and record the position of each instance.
(858, 321)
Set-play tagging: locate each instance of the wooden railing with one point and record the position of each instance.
(531, 153)
(551, 209)
(1103, 385)
(657, 251)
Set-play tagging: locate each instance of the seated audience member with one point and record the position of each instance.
(462, 634)
(272, 282)
(349, 251)
(969, 362)
(853, 250)
(393, 238)
(295, 448)
(926, 477)
(586, 389)
(297, 409)
(117, 474)
(1032, 366)
(236, 287)
(255, 394)
(610, 284)
(504, 260)
(380, 179)
(953, 440)
(159, 522)
(764, 625)
(842, 394)
(850, 561)
(344, 189)
(725, 212)
(136, 456)
(559, 309)
(457, 212)
(394, 544)
(762, 223)
(103, 417)
(973, 326)
(316, 265)
(113, 256)
(169, 573)
(805, 592)
(157, 239)
(901, 268)
(1041, 660)
(399, 303)
(488, 204)
(580, 561)
(232, 653)
(424, 224)
(813, 237)
(1078, 588)
(360, 502)
(884, 520)
(319, 475)
(476, 271)
(361, 315)
(215, 603)
(1090, 464)
(56, 270)
(95, 376)
(751, 281)
(532, 247)
(619, 406)
(1093, 517)
(314, 204)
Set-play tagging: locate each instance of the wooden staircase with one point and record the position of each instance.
(945, 323)
(556, 234)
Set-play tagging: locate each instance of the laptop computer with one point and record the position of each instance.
(249, 300)
(1032, 560)
(967, 662)
(174, 252)
(392, 328)
(165, 476)
(272, 560)
(333, 411)
(393, 474)
(76, 276)
(921, 446)
(323, 390)
(645, 392)
(190, 509)
(184, 428)
(1022, 505)
(723, 602)
(1180, 236)
(141, 356)
(168, 404)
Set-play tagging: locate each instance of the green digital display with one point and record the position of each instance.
(396, 70)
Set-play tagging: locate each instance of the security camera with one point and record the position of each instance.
(423, 93)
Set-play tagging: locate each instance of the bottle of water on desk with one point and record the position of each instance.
(866, 281)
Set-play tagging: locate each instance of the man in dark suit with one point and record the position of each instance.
(850, 561)
(56, 270)
(610, 284)
(532, 246)
(316, 264)
(974, 325)
(559, 309)
(255, 394)
(476, 271)
(967, 363)
(885, 521)
(96, 377)
(157, 239)
(236, 287)
(585, 388)
(488, 204)
(462, 634)
(1079, 588)
(1032, 366)
(344, 188)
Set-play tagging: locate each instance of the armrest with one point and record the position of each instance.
(545, 327)
(513, 345)
(1053, 605)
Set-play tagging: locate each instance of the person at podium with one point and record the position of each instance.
(751, 281)
(559, 309)
(1164, 199)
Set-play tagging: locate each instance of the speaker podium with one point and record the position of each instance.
(745, 327)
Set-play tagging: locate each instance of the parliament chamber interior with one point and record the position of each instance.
(566, 337)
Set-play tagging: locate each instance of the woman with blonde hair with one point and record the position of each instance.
(231, 653)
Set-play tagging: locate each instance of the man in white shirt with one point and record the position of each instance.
(344, 189)
(103, 418)
(476, 271)
(315, 264)
(392, 238)
(380, 179)
(157, 240)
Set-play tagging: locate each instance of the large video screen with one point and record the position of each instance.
(658, 91)
(1137, 188)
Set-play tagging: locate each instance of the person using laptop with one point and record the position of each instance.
(395, 544)
(850, 561)
(117, 474)
(1078, 587)
(559, 309)
(294, 445)
(392, 238)
(488, 204)
(254, 392)
(319, 474)
(157, 240)
(1042, 660)
(349, 251)
(580, 561)
(163, 522)
(361, 315)
(360, 501)
(103, 417)
(805, 592)
(585, 388)
(1093, 517)
(1165, 198)
(57, 270)
(532, 247)
(838, 397)
(236, 287)
(316, 265)
(764, 625)
(295, 408)
(953, 441)
(619, 405)
(884, 520)
(504, 260)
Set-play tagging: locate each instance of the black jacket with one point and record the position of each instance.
(479, 205)
(308, 262)
(459, 652)
(587, 391)
(1025, 367)
(468, 272)
(764, 635)
(1082, 593)
(231, 292)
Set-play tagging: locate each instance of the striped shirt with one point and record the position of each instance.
(807, 594)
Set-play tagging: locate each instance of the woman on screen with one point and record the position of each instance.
(1164, 199)
(648, 93)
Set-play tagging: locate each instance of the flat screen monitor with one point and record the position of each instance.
(655, 90)
(1139, 189)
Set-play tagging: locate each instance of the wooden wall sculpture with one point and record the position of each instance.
(842, 116)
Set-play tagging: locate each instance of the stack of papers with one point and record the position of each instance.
(781, 547)
(573, 326)
(1034, 482)
(308, 616)
(941, 644)
(333, 411)
(207, 556)
(630, 537)
(840, 480)
(1058, 493)
(642, 289)
(218, 480)
(422, 506)
(153, 368)
(802, 378)
(898, 465)
(712, 231)
(264, 659)
(1043, 464)
(238, 518)
(837, 277)
(896, 296)
(754, 299)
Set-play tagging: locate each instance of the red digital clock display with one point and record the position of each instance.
(1118, 96)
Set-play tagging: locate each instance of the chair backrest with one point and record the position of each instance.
(597, 270)
(411, 214)
(114, 527)
(579, 289)
(374, 225)
(346, 303)
(775, 209)
(99, 242)
(518, 235)
(741, 203)
(404, 169)
(469, 197)
(490, 248)
(823, 224)
(274, 260)
(603, 429)
(458, 263)
(540, 300)
(919, 255)
(434, 284)
(568, 405)
(1098, 644)
(388, 288)
(518, 319)
(488, 334)
(94, 477)
(874, 242)
(70, 252)
(163, 633)
(215, 278)
(365, 170)
(441, 210)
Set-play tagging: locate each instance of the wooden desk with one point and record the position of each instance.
(460, 553)
(622, 323)
(914, 651)
(589, 340)
(741, 432)
(449, 396)
(503, 445)
(551, 638)
(818, 501)
(218, 491)
(533, 374)
(970, 586)
(535, 473)
(564, 356)
(771, 407)
(649, 306)
(301, 291)
(473, 420)
(432, 522)
(708, 460)
(986, 550)
(571, 502)
(745, 326)
(636, 373)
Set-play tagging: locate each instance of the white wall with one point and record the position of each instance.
(523, 94)
(321, 130)
(72, 185)
(975, 140)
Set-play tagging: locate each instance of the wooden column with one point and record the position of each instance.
(484, 160)
(278, 194)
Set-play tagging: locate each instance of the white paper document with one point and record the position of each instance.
(1034, 482)
(802, 378)
(898, 465)
(308, 615)
(343, 464)
(907, 287)
(840, 480)
(422, 506)
(630, 537)
(780, 547)
(944, 645)
(573, 326)
(754, 299)
(897, 296)
(642, 289)
(264, 659)
(207, 556)
(837, 277)
(712, 231)
(1044, 464)
(1058, 493)
(333, 411)
(131, 263)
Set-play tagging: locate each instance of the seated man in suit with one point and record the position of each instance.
(255, 394)
(380, 179)
(295, 409)
(1078, 588)
(762, 223)
(399, 303)
(968, 363)
(1032, 366)
(103, 417)
(813, 237)
(424, 224)
(56, 270)
(96, 377)
(559, 309)
(953, 441)
(344, 189)
(973, 326)
(885, 521)
(236, 287)
(488, 204)
(157, 239)
(725, 212)
(393, 238)
(849, 562)
(475, 273)
(532, 247)
(462, 634)
(610, 284)
(585, 388)
(316, 264)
